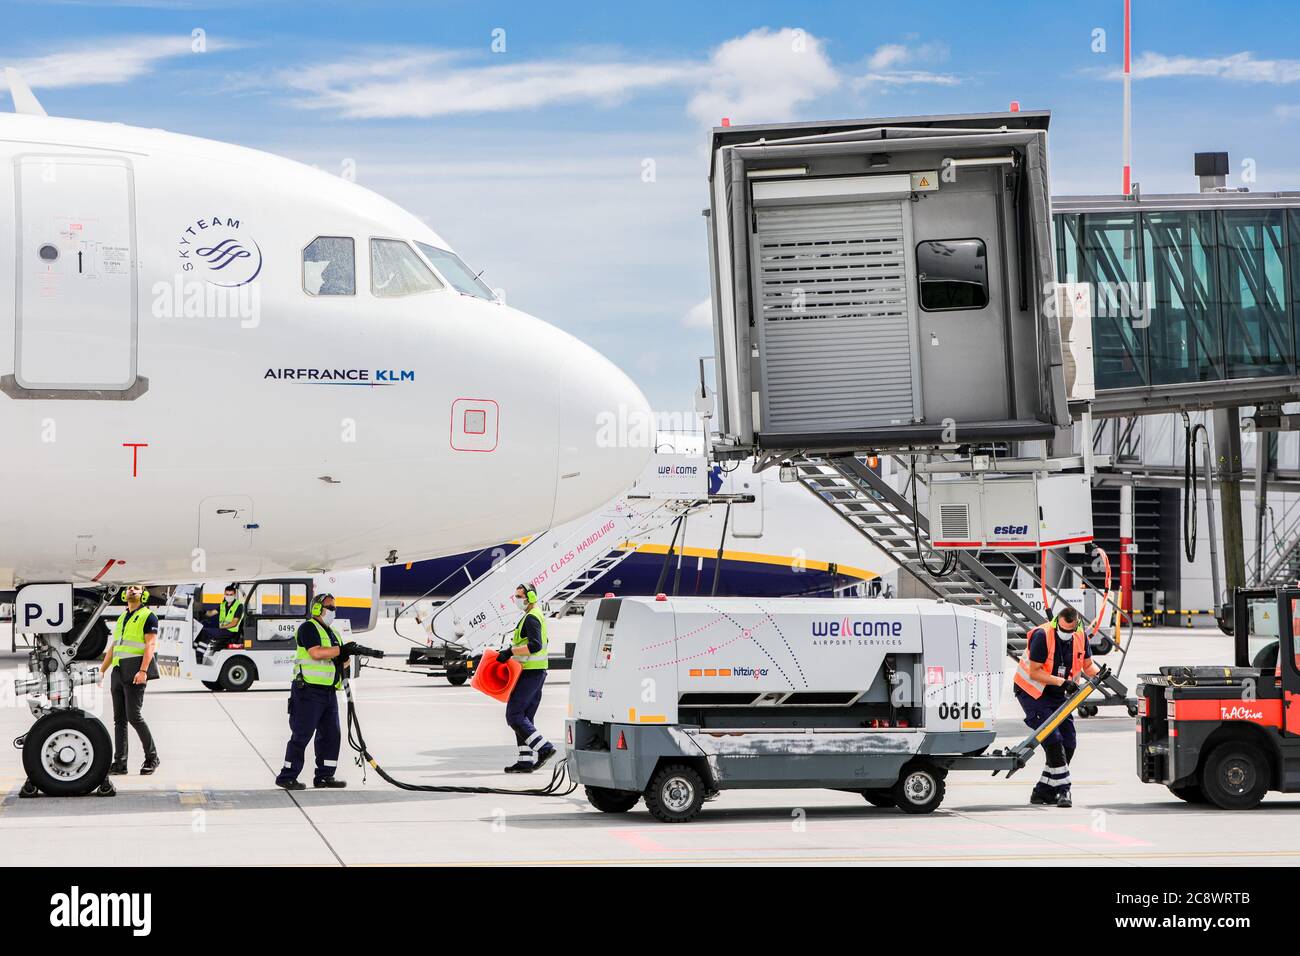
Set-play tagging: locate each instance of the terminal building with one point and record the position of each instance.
(1195, 310)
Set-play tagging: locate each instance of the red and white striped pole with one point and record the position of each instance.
(1125, 552)
(1128, 97)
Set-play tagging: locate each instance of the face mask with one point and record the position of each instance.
(230, 599)
(521, 603)
(327, 615)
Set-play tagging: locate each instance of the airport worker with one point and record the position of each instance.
(230, 612)
(528, 646)
(229, 618)
(1055, 654)
(131, 656)
(313, 698)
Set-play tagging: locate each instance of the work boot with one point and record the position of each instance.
(522, 766)
(543, 755)
(150, 765)
(1063, 799)
(1037, 799)
(329, 783)
(291, 784)
(118, 768)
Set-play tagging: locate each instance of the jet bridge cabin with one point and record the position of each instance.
(884, 283)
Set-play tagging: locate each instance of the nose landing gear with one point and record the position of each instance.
(67, 752)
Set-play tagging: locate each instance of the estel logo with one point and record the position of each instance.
(1011, 529)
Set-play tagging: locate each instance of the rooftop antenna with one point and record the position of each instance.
(1128, 96)
(24, 100)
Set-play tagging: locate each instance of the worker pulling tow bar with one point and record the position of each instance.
(674, 700)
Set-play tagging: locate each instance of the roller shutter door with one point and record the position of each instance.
(836, 340)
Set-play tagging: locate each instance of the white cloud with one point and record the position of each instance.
(104, 63)
(424, 84)
(884, 67)
(763, 76)
(1242, 67)
(888, 56)
(700, 316)
(906, 78)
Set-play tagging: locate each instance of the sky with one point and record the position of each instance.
(563, 148)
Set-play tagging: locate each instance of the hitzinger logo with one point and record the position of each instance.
(77, 909)
(847, 628)
(754, 672)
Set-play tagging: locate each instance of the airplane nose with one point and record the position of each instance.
(607, 433)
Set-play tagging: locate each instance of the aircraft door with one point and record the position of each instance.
(226, 524)
(746, 519)
(75, 328)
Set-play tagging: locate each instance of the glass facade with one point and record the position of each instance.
(1181, 297)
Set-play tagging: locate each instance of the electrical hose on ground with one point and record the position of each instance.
(560, 784)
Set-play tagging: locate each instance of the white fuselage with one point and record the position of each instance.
(420, 425)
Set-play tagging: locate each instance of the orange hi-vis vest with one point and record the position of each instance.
(1035, 688)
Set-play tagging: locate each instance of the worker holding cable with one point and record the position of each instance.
(529, 647)
(1055, 654)
(313, 698)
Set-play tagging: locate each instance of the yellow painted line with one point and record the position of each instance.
(652, 719)
(972, 725)
(631, 715)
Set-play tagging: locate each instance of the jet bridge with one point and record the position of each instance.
(881, 284)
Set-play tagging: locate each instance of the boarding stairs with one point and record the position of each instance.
(560, 563)
(1281, 555)
(888, 520)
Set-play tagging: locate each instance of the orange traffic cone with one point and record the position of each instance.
(494, 678)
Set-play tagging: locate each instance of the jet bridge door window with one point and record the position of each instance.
(396, 270)
(329, 266)
(952, 274)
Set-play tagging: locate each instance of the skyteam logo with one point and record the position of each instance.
(220, 251)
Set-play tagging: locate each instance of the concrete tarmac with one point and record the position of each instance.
(212, 802)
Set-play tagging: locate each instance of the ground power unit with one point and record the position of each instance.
(676, 699)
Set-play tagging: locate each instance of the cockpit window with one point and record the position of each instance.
(329, 266)
(395, 269)
(461, 277)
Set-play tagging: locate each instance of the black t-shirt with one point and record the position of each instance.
(309, 637)
(1064, 653)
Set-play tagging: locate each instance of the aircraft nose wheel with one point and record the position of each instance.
(67, 753)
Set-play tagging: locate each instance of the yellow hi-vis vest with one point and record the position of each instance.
(226, 615)
(128, 635)
(318, 673)
(540, 660)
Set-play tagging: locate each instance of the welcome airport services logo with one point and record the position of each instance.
(220, 250)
